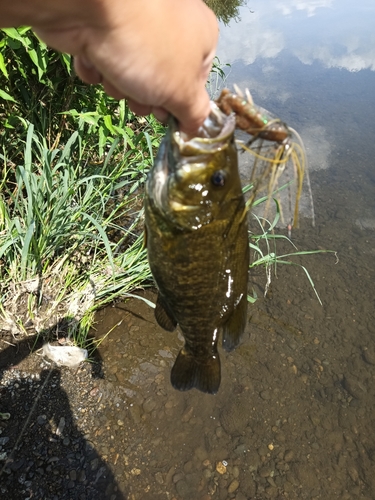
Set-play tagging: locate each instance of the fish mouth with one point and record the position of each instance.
(178, 150)
(181, 207)
(212, 136)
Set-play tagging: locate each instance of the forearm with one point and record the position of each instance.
(15, 13)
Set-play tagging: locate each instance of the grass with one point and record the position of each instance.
(71, 231)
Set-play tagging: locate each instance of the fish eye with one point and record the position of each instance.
(218, 178)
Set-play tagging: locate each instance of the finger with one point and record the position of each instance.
(160, 114)
(139, 109)
(192, 115)
(86, 71)
(112, 90)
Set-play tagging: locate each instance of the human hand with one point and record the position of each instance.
(157, 54)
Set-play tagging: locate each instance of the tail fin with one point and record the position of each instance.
(203, 374)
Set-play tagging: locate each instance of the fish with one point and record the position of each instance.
(198, 246)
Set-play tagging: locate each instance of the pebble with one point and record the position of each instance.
(265, 471)
(221, 468)
(42, 419)
(265, 395)
(289, 455)
(241, 496)
(200, 453)
(177, 477)
(149, 405)
(182, 488)
(159, 478)
(233, 486)
(369, 355)
(240, 449)
(235, 472)
(354, 387)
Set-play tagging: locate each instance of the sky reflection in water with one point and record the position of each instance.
(337, 33)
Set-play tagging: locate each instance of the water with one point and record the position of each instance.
(294, 415)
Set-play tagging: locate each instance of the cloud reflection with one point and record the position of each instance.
(249, 39)
(310, 7)
(353, 59)
(327, 31)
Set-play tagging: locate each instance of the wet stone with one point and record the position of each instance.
(289, 455)
(159, 478)
(135, 413)
(271, 492)
(266, 395)
(149, 405)
(369, 355)
(182, 488)
(233, 486)
(354, 387)
(188, 467)
(235, 472)
(200, 453)
(262, 451)
(177, 477)
(207, 474)
(42, 419)
(265, 471)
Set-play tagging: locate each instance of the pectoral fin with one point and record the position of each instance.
(163, 315)
(235, 326)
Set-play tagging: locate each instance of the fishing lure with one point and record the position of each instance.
(274, 146)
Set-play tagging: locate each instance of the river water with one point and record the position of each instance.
(294, 417)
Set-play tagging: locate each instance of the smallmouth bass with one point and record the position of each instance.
(198, 248)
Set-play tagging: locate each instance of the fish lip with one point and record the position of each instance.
(212, 136)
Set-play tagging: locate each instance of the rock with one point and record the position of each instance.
(233, 486)
(135, 412)
(354, 387)
(200, 453)
(271, 492)
(306, 476)
(42, 419)
(235, 416)
(149, 405)
(266, 395)
(241, 496)
(221, 468)
(265, 471)
(369, 355)
(182, 488)
(159, 478)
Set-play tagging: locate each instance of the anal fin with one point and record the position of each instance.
(163, 315)
(235, 326)
(203, 374)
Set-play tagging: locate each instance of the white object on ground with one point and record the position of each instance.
(65, 355)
